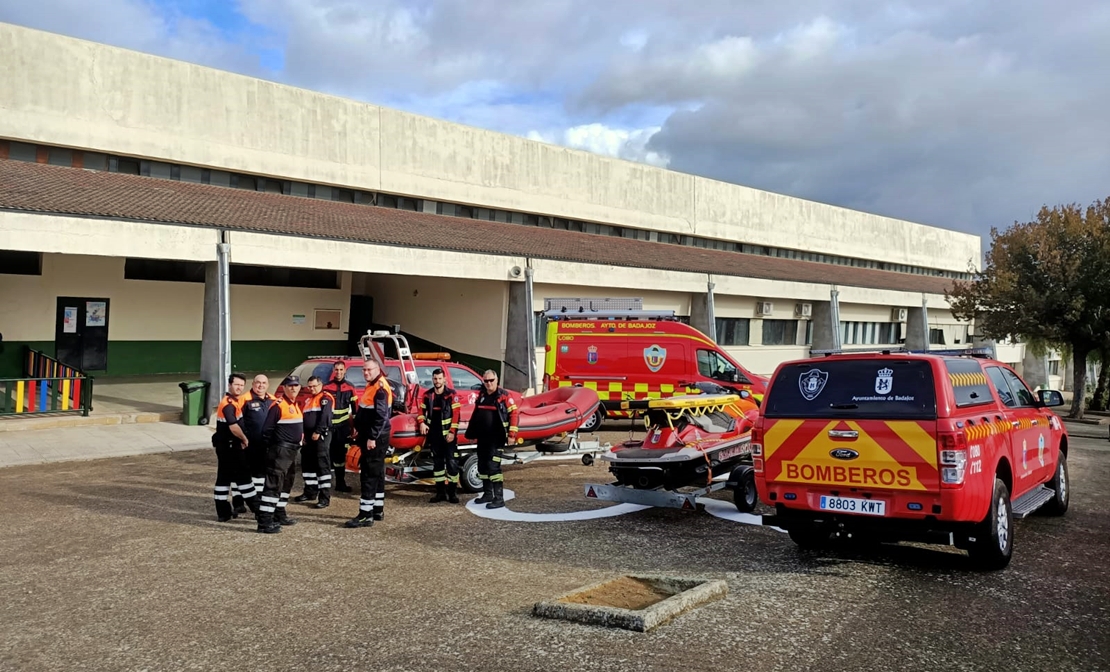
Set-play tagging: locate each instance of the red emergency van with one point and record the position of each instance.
(627, 355)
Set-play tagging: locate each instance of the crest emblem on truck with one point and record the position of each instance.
(591, 354)
(884, 381)
(654, 356)
(812, 382)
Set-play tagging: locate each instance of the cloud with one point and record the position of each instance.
(960, 114)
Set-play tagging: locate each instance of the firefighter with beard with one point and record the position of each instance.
(492, 425)
(371, 434)
(344, 395)
(439, 422)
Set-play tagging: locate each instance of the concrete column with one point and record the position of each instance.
(210, 364)
(515, 372)
(917, 329)
(824, 331)
(703, 314)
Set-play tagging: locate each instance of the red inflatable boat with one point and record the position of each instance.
(542, 416)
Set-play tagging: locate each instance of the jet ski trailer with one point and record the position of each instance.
(695, 445)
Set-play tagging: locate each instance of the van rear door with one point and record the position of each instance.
(867, 423)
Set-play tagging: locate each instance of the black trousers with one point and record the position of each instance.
(445, 460)
(256, 461)
(316, 465)
(231, 467)
(281, 469)
(489, 460)
(340, 439)
(372, 478)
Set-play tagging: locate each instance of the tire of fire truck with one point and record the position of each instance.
(994, 537)
(468, 475)
(593, 423)
(745, 496)
(1061, 489)
(810, 536)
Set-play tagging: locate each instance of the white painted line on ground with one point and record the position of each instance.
(504, 513)
(727, 511)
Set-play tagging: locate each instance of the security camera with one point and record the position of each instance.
(515, 271)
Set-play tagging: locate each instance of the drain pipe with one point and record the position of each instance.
(834, 317)
(223, 270)
(528, 298)
(710, 310)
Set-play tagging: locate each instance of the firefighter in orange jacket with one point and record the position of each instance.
(493, 424)
(371, 434)
(315, 458)
(231, 452)
(439, 422)
(283, 433)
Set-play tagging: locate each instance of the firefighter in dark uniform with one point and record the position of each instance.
(343, 394)
(315, 457)
(492, 425)
(439, 422)
(256, 406)
(231, 444)
(372, 437)
(283, 433)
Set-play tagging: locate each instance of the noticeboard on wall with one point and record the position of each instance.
(328, 320)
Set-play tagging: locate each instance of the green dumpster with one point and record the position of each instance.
(194, 397)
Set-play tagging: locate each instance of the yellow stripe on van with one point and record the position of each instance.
(915, 437)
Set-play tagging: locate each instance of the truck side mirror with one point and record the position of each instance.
(1050, 398)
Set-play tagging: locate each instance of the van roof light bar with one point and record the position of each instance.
(983, 353)
(581, 314)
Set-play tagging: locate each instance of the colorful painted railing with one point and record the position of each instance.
(23, 396)
(38, 364)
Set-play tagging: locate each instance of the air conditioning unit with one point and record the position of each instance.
(898, 314)
(764, 308)
(803, 310)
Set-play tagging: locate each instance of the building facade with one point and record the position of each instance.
(143, 187)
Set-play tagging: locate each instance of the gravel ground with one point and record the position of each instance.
(119, 564)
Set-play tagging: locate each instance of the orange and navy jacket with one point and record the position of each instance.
(343, 394)
(435, 407)
(317, 414)
(500, 403)
(284, 423)
(255, 409)
(228, 413)
(374, 408)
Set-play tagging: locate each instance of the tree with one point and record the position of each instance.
(1046, 280)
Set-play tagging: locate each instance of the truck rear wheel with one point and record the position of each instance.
(468, 475)
(1061, 489)
(994, 537)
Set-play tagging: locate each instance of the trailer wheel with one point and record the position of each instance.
(593, 423)
(468, 475)
(745, 496)
(587, 459)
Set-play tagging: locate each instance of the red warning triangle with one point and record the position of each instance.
(686, 504)
(591, 493)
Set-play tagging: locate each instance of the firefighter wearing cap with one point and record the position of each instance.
(372, 437)
(231, 444)
(343, 394)
(439, 422)
(493, 423)
(256, 406)
(315, 457)
(283, 433)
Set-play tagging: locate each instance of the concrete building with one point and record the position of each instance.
(128, 181)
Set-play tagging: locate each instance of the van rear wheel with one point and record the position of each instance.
(593, 423)
(1061, 489)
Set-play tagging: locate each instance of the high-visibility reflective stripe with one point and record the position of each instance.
(271, 500)
(497, 478)
(266, 509)
(290, 421)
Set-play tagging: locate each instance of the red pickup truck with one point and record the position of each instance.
(900, 446)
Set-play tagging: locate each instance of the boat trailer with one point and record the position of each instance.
(741, 481)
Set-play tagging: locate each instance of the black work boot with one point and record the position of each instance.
(223, 510)
(487, 493)
(283, 519)
(239, 506)
(324, 499)
(441, 493)
(498, 496)
(379, 513)
(451, 492)
(308, 495)
(266, 524)
(363, 519)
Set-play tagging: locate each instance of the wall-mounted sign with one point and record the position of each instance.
(69, 320)
(96, 314)
(298, 319)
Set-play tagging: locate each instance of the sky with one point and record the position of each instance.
(964, 114)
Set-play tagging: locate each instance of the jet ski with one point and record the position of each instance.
(691, 440)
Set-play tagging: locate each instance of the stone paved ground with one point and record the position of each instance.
(119, 564)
